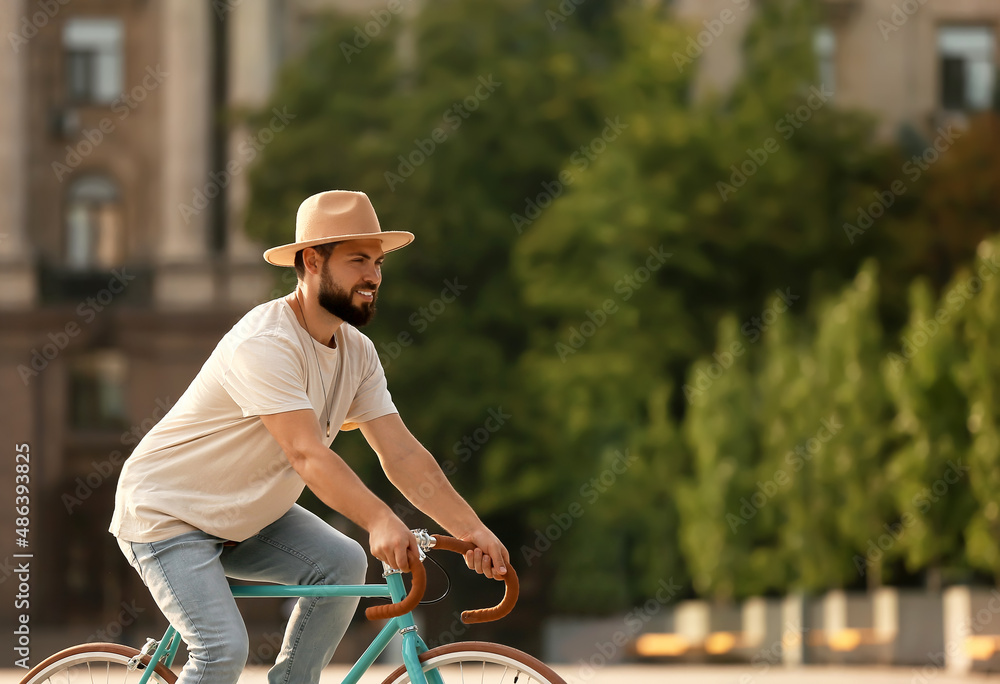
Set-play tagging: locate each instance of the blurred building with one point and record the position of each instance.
(916, 64)
(123, 256)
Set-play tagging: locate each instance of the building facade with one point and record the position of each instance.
(123, 258)
(915, 64)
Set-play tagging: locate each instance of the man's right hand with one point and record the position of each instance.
(389, 540)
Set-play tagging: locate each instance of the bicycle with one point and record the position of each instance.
(480, 661)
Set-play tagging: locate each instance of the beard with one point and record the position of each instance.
(340, 302)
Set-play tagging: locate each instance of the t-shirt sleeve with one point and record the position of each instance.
(265, 376)
(372, 399)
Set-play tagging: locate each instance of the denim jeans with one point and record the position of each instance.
(187, 578)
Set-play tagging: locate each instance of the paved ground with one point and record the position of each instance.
(652, 674)
(677, 675)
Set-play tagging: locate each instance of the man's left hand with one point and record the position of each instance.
(490, 557)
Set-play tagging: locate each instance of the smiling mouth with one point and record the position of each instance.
(367, 295)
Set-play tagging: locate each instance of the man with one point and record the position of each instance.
(210, 491)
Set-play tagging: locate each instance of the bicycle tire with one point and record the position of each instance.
(477, 661)
(81, 662)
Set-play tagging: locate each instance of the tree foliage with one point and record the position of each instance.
(591, 243)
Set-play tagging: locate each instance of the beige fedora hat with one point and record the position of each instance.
(335, 216)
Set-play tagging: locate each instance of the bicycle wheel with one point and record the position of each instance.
(479, 661)
(94, 664)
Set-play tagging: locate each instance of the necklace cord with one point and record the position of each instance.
(319, 368)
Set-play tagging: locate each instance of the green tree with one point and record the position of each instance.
(720, 505)
(504, 101)
(788, 414)
(850, 469)
(979, 287)
(655, 189)
(949, 206)
(921, 373)
(582, 229)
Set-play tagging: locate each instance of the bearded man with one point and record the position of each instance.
(210, 491)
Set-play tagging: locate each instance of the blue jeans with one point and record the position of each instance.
(187, 578)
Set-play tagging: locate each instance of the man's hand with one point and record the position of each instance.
(389, 539)
(490, 557)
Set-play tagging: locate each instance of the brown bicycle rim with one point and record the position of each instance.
(118, 649)
(498, 649)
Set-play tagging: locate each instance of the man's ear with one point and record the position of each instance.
(312, 260)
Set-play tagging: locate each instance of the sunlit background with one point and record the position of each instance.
(702, 313)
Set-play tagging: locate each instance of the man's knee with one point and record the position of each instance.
(346, 563)
(354, 563)
(228, 665)
(225, 656)
(238, 650)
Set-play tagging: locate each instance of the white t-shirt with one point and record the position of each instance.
(210, 464)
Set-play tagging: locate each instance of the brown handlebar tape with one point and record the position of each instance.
(411, 600)
(510, 584)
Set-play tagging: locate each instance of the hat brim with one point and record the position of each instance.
(285, 254)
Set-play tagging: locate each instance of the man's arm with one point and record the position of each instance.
(339, 487)
(411, 468)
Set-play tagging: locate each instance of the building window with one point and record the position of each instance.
(94, 235)
(97, 391)
(825, 47)
(93, 51)
(968, 68)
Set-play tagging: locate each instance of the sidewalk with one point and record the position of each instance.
(669, 674)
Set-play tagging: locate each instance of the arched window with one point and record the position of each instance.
(94, 231)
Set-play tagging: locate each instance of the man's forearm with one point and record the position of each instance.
(339, 487)
(421, 480)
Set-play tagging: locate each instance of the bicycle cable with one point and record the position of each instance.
(447, 586)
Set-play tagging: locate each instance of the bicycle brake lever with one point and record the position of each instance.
(425, 541)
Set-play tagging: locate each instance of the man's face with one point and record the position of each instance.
(349, 281)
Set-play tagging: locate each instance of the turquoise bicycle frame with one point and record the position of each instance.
(413, 645)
